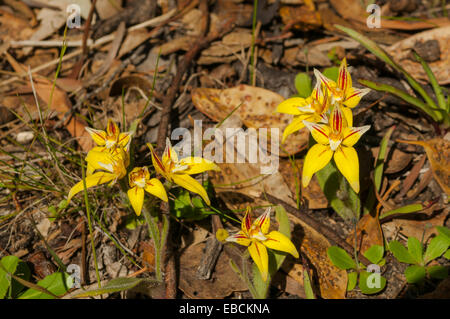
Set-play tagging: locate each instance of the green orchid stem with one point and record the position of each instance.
(88, 213)
(355, 224)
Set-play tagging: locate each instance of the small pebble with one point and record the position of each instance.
(25, 137)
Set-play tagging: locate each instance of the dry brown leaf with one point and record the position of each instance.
(368, 232)
(302, 17)
(438, 153)
(352, 10)
(13, 28)
(256, 110)
(401, 53)
(224, 280)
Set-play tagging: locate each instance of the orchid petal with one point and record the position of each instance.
(263, 221)
(353, 134)
(344, 81)
(124, 140)
(92, 180)
(98, 136)
(278, 241)
(112, 129)
(159, 167)
(294, 126)
(136, 197)
(292, 105)
(239, 238)
(197, 165)
(348, 115)
(169, 153)
(317, 158)
(320, 132)
(156, 188)
(246, 222)
(191, 185)
(337, 120)
(100, 160)
(258, 252)
(353, 96)
(347, 162)
(322, 79)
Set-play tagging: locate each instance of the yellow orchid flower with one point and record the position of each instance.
(334, 140)
(111, 138)
(312, 109)
(139, 179)
(257, 238)
(342, 92)
(119, 153)
(179, 171)
(109, 167)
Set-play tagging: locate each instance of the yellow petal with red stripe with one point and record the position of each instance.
(197, 165)
(353, 134)
(278, 241)
(353, 96)
(98, 136)
(344, 81)
(292, 105)
(263, 221)
(91, 181)
(191, 185)
(239, 238)
(112, 129)
(317, 158)
(136, 197)
(347, 162)
(156, 188)
(320, 132)
(258, 252)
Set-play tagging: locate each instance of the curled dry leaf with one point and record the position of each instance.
(256, 110)
(438, 153)
(401, 53)
(368, 232)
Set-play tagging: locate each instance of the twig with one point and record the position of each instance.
(323, 229)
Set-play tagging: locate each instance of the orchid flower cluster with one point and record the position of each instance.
(109, 160)
(327, 114)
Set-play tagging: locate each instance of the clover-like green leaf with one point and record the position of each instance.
(437, 246)
(303, 84)
(415, 274)
(371, 283)
(374, 253)
(401, 253)
(340, 258)
(352, 280)
(415, 249)
(437, 271)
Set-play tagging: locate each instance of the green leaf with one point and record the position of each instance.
(404, 96)
(10, 264)
(447, 254)
(134, 221)
(401, 253)
(340, 258)
(285, 228)
(115, 285)
(437, 246)
(352, 280)
(374, 253)
(378, 172)
(415, 249)
(437, 272)
(371, 283)
(415, 274)
(332, 73)
(403, 210)
(57, 283)
(308, 287)
(340, 195)
(23, 272)
(444, 231)
(188, 208)
(433, 81)
(303, 85)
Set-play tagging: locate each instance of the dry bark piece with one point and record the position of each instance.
(401, 52)
(42, 266)
(224, 280)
